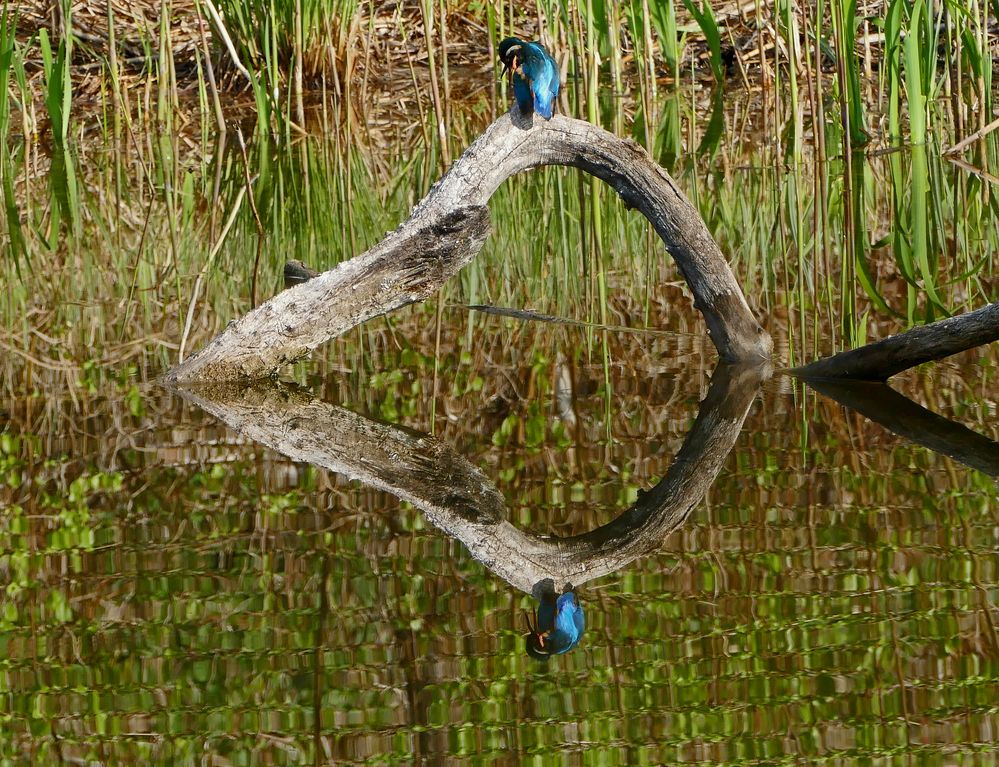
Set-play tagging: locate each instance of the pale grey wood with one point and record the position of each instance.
(880, 360)
(296, 321)
(409, 265)
(460, 500)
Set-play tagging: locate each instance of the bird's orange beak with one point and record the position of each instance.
(533, 628)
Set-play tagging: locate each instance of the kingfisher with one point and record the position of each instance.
(534, 74)
(557, 627)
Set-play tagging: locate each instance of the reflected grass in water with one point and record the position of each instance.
(172, 591)
(181, 591)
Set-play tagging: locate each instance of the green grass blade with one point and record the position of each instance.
(705, 19)
(920, 223)
(913, 78)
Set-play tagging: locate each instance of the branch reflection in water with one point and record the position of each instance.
(911, 421)
(459, 499)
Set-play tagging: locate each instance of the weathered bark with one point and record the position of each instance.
(880, 360)
(899, 414)
(407, 266)
(300, 319)
(459, 499)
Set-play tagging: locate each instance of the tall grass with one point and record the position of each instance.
(280, 46)
(58, 86)
(832, 243)
(11, 62)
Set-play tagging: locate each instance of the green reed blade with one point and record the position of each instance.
(974, 270)
(595, 14)
(8, 39)
(865, 272)
(977, 62)
(705, 19)
(18, 247)
(668, 143)
(892, 70)
(901, 238)
(920, 222)
(671, 42)
(58, 102)
(913, 78)
(716, 125)
(844, 17)
(53, 85)
(859, 135)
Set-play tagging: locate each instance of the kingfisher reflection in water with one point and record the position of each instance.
(558, 625)
(458, 498)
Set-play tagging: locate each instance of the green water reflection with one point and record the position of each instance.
(173, 593)
(176, 594)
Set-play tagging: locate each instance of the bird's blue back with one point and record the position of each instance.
(564, 617)
(536, 84)
(569, 616)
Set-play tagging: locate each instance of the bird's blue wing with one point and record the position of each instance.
(566, 600)
(544, 93)
(570, 613)
(542, 71)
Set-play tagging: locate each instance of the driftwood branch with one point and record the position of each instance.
(911, 421)
(459, 499)
(301, 318)
(407, 266)
(880, 360)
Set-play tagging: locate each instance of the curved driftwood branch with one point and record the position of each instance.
(407, 266)
(460, 500)
(880, 360)
(911, 421)
(301, 318)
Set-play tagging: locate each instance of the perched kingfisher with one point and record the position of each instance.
(534, 74)
(557, 628)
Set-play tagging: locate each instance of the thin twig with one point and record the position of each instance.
(224, 34)
(210, 70)
(980, 172)
(204, 270)
(256, 216)
(960, 146)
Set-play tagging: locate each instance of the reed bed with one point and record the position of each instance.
(842, 154)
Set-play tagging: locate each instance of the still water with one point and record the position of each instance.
(264, 577)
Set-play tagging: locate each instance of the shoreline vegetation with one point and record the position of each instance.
(159, 165)
(879, 63)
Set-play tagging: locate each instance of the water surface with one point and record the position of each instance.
(176, 591)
